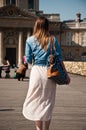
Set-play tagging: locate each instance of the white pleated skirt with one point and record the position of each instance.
(40, 99)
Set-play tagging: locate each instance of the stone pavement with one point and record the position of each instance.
(69, 112)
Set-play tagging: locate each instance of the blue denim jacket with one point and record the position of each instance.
(34, 52)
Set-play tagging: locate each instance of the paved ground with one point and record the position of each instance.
(69, 112)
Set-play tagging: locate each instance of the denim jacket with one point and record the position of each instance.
(34, 52)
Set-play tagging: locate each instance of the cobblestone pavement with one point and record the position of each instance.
(69, 112)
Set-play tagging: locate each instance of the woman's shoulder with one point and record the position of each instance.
(53, 38)
(31, 39)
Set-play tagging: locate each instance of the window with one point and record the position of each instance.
(84, 39)
(68, 38)
(8, 2)
(31, 4)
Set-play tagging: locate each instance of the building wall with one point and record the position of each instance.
(76, 67)
(12, 42)
(73, 46)
(24, 4)
(73, 39)
(1, 3)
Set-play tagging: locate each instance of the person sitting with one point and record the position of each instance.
(6, 67)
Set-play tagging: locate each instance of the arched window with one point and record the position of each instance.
(8, 2)
(30, 4)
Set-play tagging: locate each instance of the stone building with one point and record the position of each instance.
(73, 39)
(17, 19)
(16, 23)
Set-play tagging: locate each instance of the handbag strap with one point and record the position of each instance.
(52, 44)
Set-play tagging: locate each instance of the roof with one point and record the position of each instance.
(13, 11)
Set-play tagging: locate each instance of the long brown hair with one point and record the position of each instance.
(41, 31)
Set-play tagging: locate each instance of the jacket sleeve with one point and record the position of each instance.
(58, 49)
(28, 52)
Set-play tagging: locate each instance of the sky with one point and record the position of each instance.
(66, 8)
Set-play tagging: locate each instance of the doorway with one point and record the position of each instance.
(11, 55)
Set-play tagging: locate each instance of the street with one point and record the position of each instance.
(69, 111)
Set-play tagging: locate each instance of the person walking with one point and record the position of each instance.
(40, 99)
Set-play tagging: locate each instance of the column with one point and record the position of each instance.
(17, 3)
(34, 4)
(28, 34)
(20, 55)
(37, 4)
(1, 48)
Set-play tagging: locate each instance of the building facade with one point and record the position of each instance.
(16, 23)
(73, 39)
(27, 4)
(17, 19)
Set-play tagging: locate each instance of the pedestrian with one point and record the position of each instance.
(24, 59)
(39, 102)
(6, 67)
(7, 62)
(21, 71)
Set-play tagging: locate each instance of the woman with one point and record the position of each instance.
(7, 63)
(40, 99)
(6, 67)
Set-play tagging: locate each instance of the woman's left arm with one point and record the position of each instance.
(58, 49)
(68, 78)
